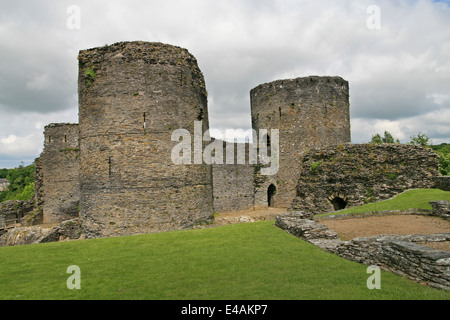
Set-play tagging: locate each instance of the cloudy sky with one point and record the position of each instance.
(394, 53)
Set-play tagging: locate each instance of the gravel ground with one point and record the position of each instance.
(348, 229)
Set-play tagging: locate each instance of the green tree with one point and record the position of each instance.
(443, 151)
(387, 138)
(21, 183)
(421, 140)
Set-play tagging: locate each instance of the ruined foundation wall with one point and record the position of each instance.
(309, 112)
(362, 173)
(58, 187)
(132, 96)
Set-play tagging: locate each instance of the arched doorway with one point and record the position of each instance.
(271, 191)
(338, 203)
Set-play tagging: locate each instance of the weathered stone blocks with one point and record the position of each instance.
(132, 95)
(308, 112)
(441, 208)
(57, 187)
(347, 175)
(399, 254)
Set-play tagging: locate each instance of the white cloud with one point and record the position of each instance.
(21, 135)
(439, 98)
(434, 124)
(20, 146)
(398, 75)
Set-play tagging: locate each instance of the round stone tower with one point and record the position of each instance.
(308, 112)
(132, 96)
(59, 181)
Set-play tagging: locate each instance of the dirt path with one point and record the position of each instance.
(348, 229)
(351, 228)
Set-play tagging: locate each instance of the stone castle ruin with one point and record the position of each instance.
(114, 171)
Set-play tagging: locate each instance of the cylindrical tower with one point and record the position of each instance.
(132, 96)
(308, 112)
(59, 168)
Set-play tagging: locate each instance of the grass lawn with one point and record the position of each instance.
(412, 199)
(244, 261)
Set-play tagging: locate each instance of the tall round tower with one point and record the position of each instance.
(132, 96)
(308, 112)
(59, 163)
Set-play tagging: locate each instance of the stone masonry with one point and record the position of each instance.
(233, 183)
(12, 211)
(57, 173)
(114, 169)
(308, 112)
(399, 254)
(347, 175)
(132, 95)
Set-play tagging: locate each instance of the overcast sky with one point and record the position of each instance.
(394, 53)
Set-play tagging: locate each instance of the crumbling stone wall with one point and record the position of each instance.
(441, 208)
(132, 96)
(57, 172)
(22, 235)
(39, 196)
(399, 254)
(12, 211)
(349, 175)
(309, 112)
(442, 182)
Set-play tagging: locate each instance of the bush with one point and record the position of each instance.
(387, 138)
(21, 183)
(443, 151)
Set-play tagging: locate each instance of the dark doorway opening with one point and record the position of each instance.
(271, 191)
(338, 203)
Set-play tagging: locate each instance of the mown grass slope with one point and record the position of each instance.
(411, 199)
(243, 261)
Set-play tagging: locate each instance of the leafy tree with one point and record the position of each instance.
(3, 173)
(21, 183)
(387, 138)
(444, 165)
(421, 140)
(443, 151)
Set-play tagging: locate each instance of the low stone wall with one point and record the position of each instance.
(349, 175)
(399, 254)
(441, 208)
(11, 212)
(442, 182)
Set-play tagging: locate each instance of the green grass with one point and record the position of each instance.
(412, 199)
(243, 261)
